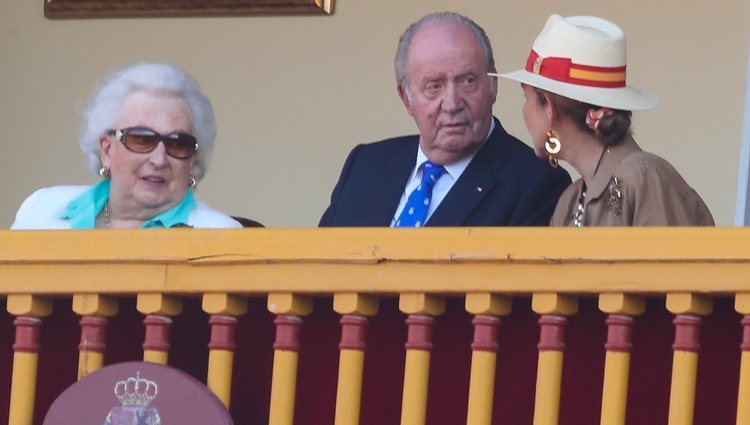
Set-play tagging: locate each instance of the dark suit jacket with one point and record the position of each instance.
(504, 185)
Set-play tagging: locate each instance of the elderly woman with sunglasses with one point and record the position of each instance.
(578, 109)
(148, 133)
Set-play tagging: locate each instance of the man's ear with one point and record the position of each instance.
(404, 95)
(493, 88)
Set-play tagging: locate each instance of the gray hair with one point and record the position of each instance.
(104, 108)
(404, 43)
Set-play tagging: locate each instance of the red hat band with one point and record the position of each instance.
(563, 69)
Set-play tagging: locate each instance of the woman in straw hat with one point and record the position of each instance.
(578, 109)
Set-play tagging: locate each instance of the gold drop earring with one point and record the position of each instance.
(552, 145)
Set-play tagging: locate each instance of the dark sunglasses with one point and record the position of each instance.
(144, 140)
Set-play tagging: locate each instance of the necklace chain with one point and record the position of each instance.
(579, 215)
(580, 211)
(106, 216)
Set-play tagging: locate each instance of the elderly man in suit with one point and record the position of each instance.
(463, 169)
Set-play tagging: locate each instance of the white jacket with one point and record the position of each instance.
(45, 208)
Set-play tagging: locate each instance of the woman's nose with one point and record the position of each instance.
(158, 156)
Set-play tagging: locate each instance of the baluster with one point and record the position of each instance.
(742, 306)
(354, 308)
(288, 308)
(743, 396)
(94, 310)
(28, 310)
(686, 345)
(484, 348)
(158, 308)
(420, 307)
(621, 308)
(223, 308)
(553, 308)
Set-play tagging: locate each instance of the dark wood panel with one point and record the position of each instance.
(75, 9)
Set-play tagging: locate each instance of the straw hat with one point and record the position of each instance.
(583, 58)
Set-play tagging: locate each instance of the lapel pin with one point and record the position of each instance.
(479, 188)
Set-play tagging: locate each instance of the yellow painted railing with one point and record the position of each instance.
(357, 268)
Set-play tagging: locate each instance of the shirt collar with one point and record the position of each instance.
(82, 211)
(611, 159)
(176, 216)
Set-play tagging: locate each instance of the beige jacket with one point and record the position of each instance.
(633, 188)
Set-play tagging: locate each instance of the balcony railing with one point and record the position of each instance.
(377, 326)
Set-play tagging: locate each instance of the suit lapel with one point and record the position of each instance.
(391, 183)
(475, 183)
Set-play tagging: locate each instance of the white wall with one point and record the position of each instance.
(742, 212)
(294, 94)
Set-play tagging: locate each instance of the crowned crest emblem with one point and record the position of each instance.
(135, 394)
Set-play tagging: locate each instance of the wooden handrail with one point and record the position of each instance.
(369, 260)
(356, 267)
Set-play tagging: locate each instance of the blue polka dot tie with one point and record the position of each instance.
(415, 210)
